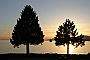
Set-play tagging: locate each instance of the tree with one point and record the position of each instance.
(27, 30)
(67, 34)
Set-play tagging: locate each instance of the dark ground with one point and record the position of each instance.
(12, 56)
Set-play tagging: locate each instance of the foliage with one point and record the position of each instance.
(67, 34)
(27, 29)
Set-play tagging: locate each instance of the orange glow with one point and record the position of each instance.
(49, 30)
(5, 35)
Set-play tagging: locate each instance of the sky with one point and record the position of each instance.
(51, 13)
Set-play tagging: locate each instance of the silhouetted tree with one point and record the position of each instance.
(67, 34)
(27, 30)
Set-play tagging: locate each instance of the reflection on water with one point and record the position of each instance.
(47, 47)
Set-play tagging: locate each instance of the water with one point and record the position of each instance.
(47, 47)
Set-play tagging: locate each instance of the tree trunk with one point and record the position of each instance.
(27, 48)
(67, 48)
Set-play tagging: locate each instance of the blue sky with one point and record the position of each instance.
(51, 13)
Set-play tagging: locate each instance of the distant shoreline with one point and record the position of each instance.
(45, 40)
(87, 38)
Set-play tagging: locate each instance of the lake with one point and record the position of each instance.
(47, 47)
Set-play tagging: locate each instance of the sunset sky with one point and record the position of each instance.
(51, 13)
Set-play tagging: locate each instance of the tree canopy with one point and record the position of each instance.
(67, 34)
(27, 29)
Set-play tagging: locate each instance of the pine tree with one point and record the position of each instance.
(27, 30)
(67, 34)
